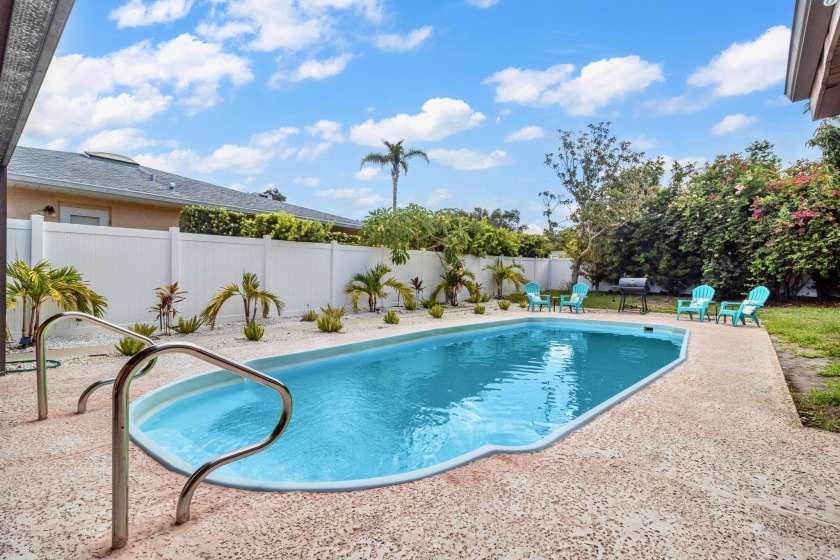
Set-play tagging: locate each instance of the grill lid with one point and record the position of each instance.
(635, 285)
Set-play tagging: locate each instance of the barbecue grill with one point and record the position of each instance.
(633, 287)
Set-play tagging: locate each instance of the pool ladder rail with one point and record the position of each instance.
(137, 366)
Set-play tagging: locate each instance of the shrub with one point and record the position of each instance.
(252, 298)
(280, 225)
(478, 309)
(428, 303)
(309, 316)
(130, 346)
(391, 318)
(330, 318)
(436, 311)
(410, 305)
(504, 304)
(164, 309)
(187, 326)
(254, 331)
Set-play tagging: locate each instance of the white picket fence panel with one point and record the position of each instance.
(127, 265)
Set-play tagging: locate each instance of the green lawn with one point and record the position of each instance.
(813, 330)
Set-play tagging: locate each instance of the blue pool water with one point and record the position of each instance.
(406, 408)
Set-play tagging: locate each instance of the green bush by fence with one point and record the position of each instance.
(281, 226)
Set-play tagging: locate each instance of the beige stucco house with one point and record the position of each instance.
(109, 190)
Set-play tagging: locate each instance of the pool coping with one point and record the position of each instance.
(149, 403)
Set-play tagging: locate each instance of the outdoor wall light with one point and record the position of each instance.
(48, 210)
(829, 2)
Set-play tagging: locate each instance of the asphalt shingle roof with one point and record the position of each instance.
(83, 171)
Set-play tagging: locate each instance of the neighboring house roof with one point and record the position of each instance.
(105, 176)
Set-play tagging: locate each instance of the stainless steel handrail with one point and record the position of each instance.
(41, 357)
(119, 432)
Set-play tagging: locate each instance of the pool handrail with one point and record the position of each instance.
(41, 357)
(120, 435)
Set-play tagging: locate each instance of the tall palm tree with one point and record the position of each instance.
(506, 273)
(372, 283)
(397, 158)
(252, 297)
(65, 287)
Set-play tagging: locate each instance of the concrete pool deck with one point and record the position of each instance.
(710, 461)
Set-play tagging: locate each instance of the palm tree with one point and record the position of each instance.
(510, 273)
(252, 297)
(397, 158)
(66, 287)
(453, 280)
(372, 283)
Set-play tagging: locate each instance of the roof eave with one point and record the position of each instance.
(29, 180)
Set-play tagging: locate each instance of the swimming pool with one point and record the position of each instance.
(401, 408)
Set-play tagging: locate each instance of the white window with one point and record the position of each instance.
(84, 216)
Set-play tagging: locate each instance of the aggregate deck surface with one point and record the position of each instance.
(709, 461)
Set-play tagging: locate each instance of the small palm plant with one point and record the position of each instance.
(417, 284)
(372, 283)
(506, 273)
(168, 296)
(252, 298)
(453, 281)
(65, 287)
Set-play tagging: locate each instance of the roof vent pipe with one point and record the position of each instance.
(171, 186)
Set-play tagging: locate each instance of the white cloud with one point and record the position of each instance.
(57, 144)
(239, 159)
(394, 42)
(236, 186)
(136, 13)
(746, 67)
(599, 84)
(525, 134)
(121, 141)
(468, 160)
(313, 69)
(311, 153)
(697, 161)
(482, 3)
(642, 142)
(328, 130)
(270, 25)
(307, 181)
(533, 229)
(439, 118)
(357, 196)
(732, 123)
(273, 137)
(133, 84)
(438, 197)
(366, 174)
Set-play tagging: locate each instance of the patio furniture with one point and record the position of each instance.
(745, 309)
(575, 300)
(701, 298)
(535, 298)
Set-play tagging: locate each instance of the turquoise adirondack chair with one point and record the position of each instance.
(575, 300)
(701, 298)
(744, 309)
(535, 298)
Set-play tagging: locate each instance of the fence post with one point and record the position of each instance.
(333, 247)
(423, 266)
(266, 257)
(174, 255)
(548, 260)
(36, 236)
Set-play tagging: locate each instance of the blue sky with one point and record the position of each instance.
(255, 93)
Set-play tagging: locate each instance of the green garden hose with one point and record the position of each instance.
(18, 367)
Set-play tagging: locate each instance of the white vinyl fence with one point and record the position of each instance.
(126, 265)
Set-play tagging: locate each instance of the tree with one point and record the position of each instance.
(65, 287)
(372, 283)
(605, 184)
(506, 273)
(397, 158)
(252, 297)
(454, 280)
(275, 193)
